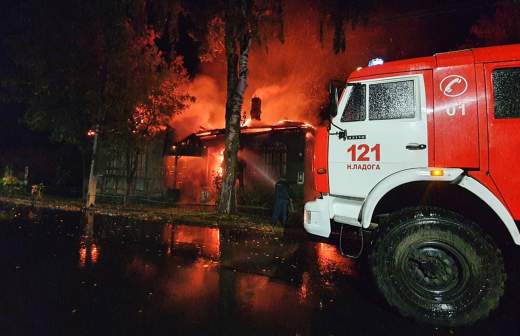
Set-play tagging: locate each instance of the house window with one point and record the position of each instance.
(275, 159)
(506, 86)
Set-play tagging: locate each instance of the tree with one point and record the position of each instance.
(151, 117)
(80, 64)
(235, 24)
(337, 13)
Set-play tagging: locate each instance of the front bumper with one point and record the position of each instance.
(316, 219)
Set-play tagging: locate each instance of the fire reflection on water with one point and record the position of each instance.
(260, 294)
(142, 269)
(197, 283)
(182, 279)
(94, 253)
(205, 239)
(82, 256)
(329, 260)
(303, 292)
(88, 254)
(191, 287)
(89, 251)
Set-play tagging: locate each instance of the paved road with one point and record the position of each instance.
(67, 274)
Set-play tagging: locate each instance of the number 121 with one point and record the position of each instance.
(364, 150)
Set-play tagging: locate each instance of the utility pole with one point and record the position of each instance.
(91, 194)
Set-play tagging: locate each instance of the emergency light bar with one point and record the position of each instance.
(375, 61)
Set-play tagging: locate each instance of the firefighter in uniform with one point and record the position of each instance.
(281, 202)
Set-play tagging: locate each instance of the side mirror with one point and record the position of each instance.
(333, 99)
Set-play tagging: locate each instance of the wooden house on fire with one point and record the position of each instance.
(267, 152)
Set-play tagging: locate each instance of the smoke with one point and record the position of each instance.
(291, 77)
(207, 111)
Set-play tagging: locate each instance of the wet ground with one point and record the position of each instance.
(71, 274)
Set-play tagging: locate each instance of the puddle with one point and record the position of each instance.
(65, 273)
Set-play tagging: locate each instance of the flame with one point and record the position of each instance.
(256, 130)
(247, 122)
(207, 111)
(291, 77)
(218, 162)
(195, 177)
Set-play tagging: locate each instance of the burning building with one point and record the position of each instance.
(267, 152)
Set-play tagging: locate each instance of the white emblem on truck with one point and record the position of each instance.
(454, 85)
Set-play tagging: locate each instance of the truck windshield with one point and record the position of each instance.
(352, 105)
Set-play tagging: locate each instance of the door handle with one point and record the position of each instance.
(415, 146)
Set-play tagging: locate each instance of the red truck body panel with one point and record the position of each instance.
(321, 160)
(455, 112)
(503, 145)
(462, 129)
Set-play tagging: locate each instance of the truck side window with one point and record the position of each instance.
(506, 86)
(393, 100)
(356, 105)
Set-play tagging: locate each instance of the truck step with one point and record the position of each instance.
(347, 220)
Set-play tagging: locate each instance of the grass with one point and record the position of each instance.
(184, 215)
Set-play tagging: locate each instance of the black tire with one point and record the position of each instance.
(436, 267)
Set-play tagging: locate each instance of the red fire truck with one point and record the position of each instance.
(425, 153)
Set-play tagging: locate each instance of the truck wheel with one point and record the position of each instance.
(436, 267)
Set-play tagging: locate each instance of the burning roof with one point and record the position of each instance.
(196, 143)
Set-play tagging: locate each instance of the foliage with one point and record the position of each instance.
(337, 13)
(166, 99)
(78, 64)
(6, 215)
(108, 65)
(10, 184)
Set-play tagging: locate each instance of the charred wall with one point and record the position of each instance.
(264, 157)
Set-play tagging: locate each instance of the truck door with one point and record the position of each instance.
(503, 103)
(386, 131)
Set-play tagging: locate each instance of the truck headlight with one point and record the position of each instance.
(307, 217)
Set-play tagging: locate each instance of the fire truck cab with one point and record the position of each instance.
(425, 152)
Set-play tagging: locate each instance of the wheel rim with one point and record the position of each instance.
(435, 271)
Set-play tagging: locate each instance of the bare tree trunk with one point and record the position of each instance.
(227, 202)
